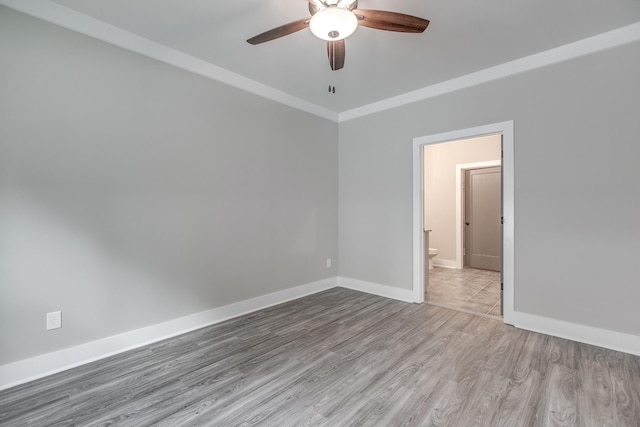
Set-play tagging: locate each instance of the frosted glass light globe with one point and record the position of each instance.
(333, 23)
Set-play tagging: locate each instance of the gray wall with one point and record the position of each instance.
(132, 192)
(577, 176)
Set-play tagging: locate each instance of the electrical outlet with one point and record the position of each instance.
(54, 320)
(328, 262)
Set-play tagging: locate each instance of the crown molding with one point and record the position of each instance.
(81, 23)
(84, 24)
(608, 40)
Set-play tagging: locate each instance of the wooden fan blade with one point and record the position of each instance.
(391, 21)
(281, 31)
(336, 52)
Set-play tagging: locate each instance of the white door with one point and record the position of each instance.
(482, 217)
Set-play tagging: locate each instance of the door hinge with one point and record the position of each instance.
(501, 220)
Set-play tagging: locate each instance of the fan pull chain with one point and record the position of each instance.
(332, 84)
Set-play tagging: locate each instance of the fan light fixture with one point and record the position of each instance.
(333, 23)
(335, 20)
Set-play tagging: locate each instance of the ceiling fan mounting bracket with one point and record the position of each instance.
(316, 5)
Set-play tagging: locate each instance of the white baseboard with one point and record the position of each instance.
(36, 367)
(40, 366)
(377, 289)
(613, 340)
(446, 263)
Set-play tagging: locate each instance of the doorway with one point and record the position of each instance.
(462, 186)
(421, 239)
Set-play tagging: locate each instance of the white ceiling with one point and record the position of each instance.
(464, 36)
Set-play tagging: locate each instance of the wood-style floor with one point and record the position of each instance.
(343, 358)
(471, 290)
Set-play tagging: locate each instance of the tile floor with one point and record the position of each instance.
(470, 290)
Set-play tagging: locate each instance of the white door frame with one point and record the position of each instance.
(460, 169)
(506, 130)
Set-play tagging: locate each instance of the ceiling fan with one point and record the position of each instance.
(335, 20)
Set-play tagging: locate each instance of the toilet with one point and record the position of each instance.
(432, 252)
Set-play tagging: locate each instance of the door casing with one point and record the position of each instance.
(508, 246)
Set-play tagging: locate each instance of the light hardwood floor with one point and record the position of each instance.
(343, 358)
(471, 290)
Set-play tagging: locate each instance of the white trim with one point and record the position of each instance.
(418, 223)
(508, 226)
(613, 340)
(92, 27)
(84, 24)
(444, 263)
(22, 371)
(376, 289)
(508, 229)
(460, 168)
(597, 43)
(40, 366)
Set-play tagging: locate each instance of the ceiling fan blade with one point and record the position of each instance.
(280, 31)
(336, 52)
(391, 21)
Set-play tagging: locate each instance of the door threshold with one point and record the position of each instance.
(463, 310)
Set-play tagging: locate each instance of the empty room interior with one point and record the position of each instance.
(238, 214)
